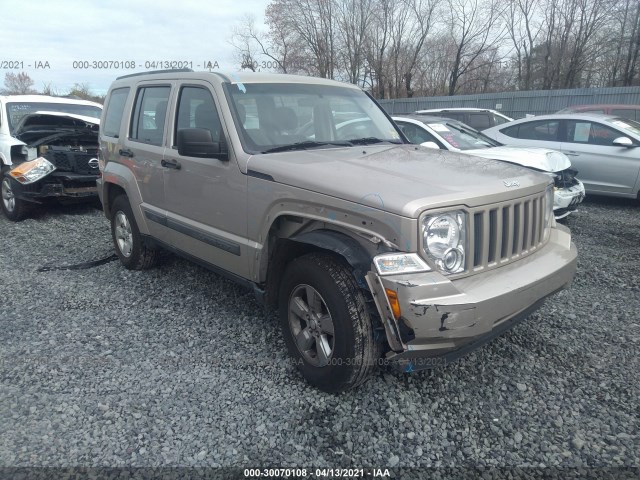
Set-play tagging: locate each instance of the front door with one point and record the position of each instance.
(205, 198)
(602, 166)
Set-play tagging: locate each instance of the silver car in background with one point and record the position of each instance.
(603, 148)
(443, 133)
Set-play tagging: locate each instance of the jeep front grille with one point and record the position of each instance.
(506, 231)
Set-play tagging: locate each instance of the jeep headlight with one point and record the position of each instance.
(29, 172)
(444, 240)
(548, 211)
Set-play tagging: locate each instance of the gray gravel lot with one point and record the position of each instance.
(177, 366)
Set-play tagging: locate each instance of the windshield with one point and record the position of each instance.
(17, 110)
(627, 124)
(278, 117)
(462, 137)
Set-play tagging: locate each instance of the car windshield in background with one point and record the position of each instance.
(17, 110)
(280, 117)
(461, 137)
(627, 125)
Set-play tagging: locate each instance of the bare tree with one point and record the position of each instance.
(255, 50)
(519, 17)
(474, 27)
(18, 84)
(354, 18)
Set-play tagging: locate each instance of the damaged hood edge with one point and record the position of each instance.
(543, 159)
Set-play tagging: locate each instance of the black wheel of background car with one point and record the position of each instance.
(14, 208)
(130, 248)
(326, 324)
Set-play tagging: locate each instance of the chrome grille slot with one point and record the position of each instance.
(501, 233)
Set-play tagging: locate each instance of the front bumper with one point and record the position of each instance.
(442, 319)
(566, 200)
(57, 184)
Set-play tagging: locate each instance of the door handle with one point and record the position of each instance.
(572, 154)
(126, 153)
(171, 163)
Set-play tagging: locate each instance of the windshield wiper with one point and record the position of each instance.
(370, 141)
(304, 146)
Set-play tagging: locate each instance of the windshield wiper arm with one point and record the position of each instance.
(305, 145)
(370, 140)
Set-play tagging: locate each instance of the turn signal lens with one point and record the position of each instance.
(392, 296)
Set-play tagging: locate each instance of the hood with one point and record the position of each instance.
(543, 159)
(403, 179)
(37, 128)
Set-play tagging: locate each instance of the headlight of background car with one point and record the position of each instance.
(29, 172)
(444, 240)
(548, 211)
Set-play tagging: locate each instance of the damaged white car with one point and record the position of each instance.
(436, 132)
(48, 149)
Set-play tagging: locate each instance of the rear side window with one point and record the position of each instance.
(115, 109)
(546, 130)
(498, 120)
(479, 121)
(149, 115)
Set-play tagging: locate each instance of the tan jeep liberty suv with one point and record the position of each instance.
(372, 249)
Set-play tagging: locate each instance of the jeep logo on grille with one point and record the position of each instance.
(511, 183)
(93, 163)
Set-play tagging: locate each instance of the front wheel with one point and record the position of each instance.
(14, 208)
(128, 242)
(326, 324)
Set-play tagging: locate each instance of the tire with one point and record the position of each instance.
(15, 209)
(331, 362)
(130, 248)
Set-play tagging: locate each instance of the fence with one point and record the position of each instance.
(518, 104)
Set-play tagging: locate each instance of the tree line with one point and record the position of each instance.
(406, 48)
(22, 84)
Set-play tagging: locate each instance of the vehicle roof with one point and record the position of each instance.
(622, 106)
(569, 116)
(426, 118)
(47, 99)
(460, 109)
(231, 77)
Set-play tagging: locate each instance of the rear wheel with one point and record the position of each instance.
(14, 208)
(128, 242)
(326, 324)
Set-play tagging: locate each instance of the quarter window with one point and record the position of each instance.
(115, 109)
(149, 115)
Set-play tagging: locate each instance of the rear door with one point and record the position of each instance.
(143, 149)
(602, 166)
(206, 198)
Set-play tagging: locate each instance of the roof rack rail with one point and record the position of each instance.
(152, 72)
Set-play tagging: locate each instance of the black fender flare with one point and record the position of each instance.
(343, 245)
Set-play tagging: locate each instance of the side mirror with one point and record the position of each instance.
(197, 142)
(430, 145)
(623, 142)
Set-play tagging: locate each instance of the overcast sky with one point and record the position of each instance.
(62, 32)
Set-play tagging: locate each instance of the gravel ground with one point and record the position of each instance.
(176, 366)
